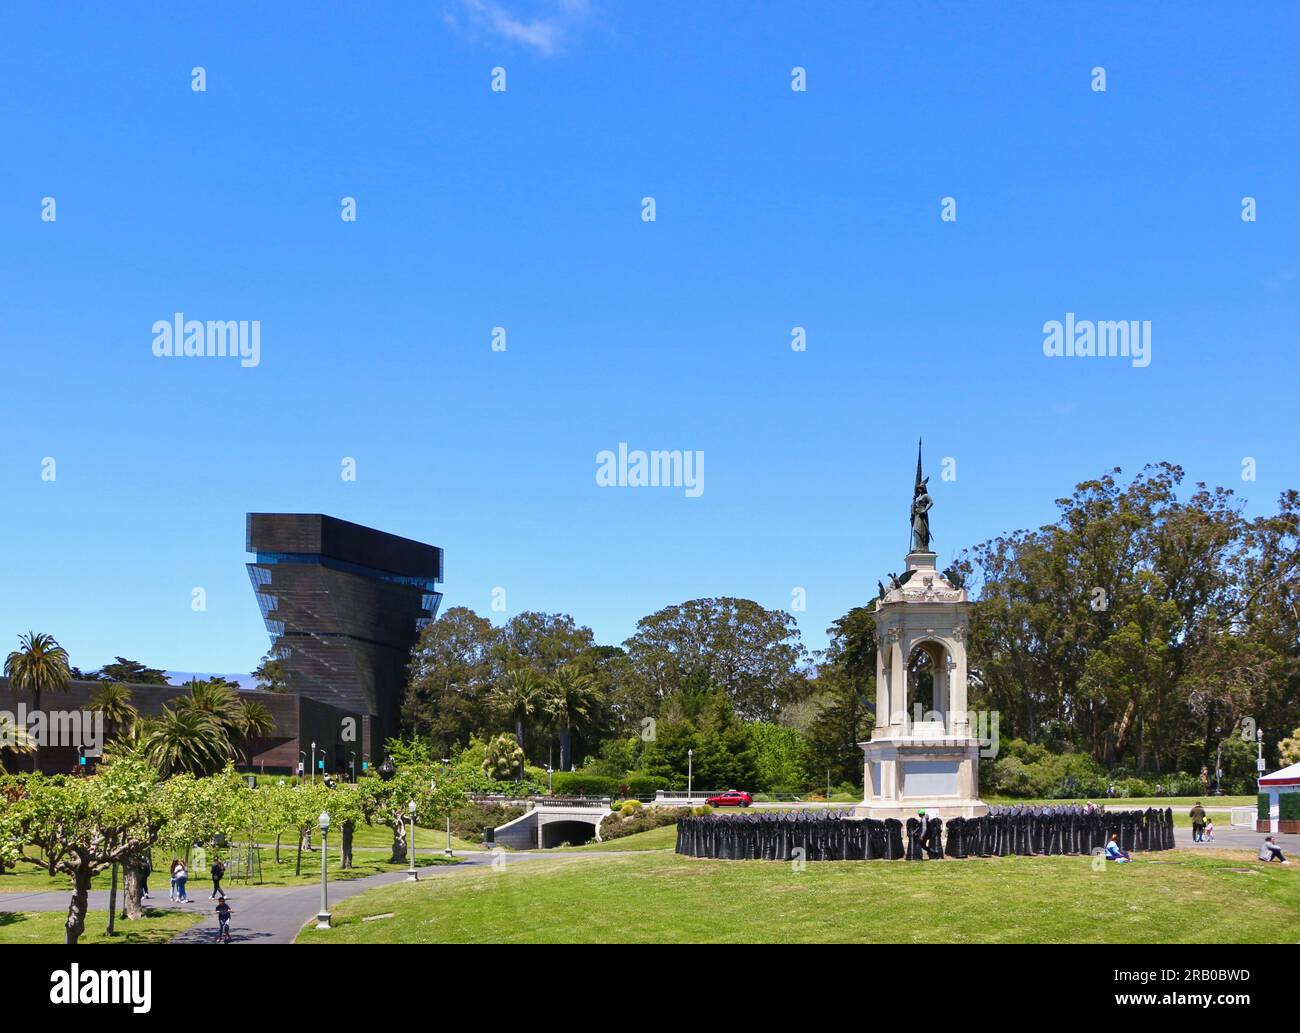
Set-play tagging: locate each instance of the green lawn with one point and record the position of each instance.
(1174, 897)
(47, 927)
(664, 838)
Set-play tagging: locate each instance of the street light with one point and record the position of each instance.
(313, 763)
(411, 874)
(690, 770)
(323, 918)
(352, 765)
(1259, 759)
(448, 851)
(549, 771)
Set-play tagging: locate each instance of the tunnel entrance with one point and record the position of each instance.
(574, 833)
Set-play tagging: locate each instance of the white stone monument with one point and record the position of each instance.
(923, 753)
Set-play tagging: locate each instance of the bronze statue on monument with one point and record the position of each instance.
(921, 504)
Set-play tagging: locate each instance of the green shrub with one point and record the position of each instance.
(1261, 807)
(701, 810)
(1131, 787)
(615, 826)
(629, 808)
(1289, 806)
(577, 783)
(644, 785)
(469, 819)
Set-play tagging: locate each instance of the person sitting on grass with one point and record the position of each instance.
(1114, 853)
(1270, 851)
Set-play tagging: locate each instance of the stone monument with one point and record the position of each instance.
(923, 754)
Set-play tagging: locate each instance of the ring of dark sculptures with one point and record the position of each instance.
(828, 836)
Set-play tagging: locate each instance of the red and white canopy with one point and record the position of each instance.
(1286, 777)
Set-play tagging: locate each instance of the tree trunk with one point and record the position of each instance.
(76, 923)
(399, 842)
(36, 753)
(298, 868)
(112, 902)
(133, 887)
(345, 847)
(566, 745)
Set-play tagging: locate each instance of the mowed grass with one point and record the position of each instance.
(1170, 897)
(47, 927)
(664, 838)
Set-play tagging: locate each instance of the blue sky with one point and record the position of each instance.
(522, 209)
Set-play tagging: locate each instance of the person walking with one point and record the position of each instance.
(182, 877)
(1197, 814)
(1208, 835)
(171, 893)
(146, 866)
(218, 870)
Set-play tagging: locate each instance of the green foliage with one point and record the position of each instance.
(1263, 807)
(1288, 805)
(616, 826)
(704, 721)
(629, 808)
(502, 758)
(781, 758)
(1288, 750)
(578, 783)
(751, 654)
(642, 785)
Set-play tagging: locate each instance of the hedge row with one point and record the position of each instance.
(575, 783)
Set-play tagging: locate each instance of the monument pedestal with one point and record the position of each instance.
(937, 774)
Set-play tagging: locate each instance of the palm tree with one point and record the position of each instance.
(185, 739)
(571, 702)
(39, 665)
(214, 698)
(252, 721)
(113, 700)
(517, 697)
(15, 738)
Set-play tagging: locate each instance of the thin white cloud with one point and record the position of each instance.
(546, 29)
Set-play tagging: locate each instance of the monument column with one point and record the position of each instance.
(933, 766)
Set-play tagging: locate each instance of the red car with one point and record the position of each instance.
(731, 798)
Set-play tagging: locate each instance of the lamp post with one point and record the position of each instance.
(690, 770)
(448, 851)
(1259, 757)
(302, 762)
(313, 763)
(352, 765)
(1218, 771)
(411, 874)
(323, 918)
(549, 771)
